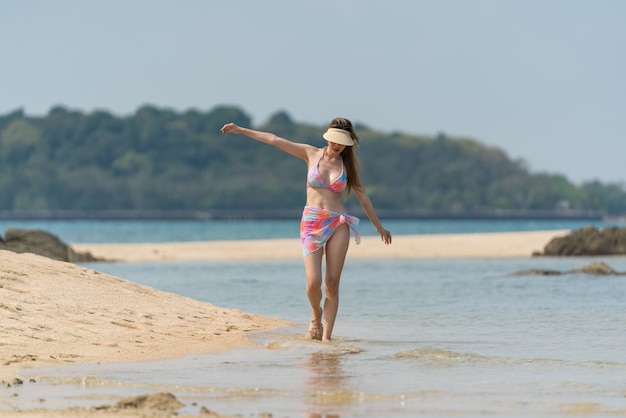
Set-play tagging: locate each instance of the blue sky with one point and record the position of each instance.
(541, 79)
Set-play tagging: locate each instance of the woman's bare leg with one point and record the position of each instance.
(336, 250)
(313, 270)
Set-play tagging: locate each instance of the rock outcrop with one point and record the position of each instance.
(597, 268)
(588, 241)
(43, 243)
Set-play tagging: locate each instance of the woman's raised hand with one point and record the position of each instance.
(230, 128)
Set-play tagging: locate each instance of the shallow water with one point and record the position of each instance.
(413, 338)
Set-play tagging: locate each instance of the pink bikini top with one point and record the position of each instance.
(314, 179)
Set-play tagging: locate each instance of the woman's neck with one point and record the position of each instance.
(328, 156)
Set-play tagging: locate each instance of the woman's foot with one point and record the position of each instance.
(316, 329)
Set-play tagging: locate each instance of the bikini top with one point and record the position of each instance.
(314, 179)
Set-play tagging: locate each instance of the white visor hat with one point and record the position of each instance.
(338, 136)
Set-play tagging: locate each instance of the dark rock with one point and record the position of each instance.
(536, 272)
(589, 241)
(597, 268)
(42, 243)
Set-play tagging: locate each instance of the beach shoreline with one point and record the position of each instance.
(494, 244)
(31, 289)
(58, 313)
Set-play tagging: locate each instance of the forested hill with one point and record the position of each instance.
(159, 159)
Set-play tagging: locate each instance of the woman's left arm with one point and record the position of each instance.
(368, 207)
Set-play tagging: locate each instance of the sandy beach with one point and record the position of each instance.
(497, 244)
(56, 313)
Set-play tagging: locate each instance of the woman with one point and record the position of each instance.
(325, 227)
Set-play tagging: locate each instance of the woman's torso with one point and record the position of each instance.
(325, 178)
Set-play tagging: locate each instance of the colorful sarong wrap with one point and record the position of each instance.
(318, 225)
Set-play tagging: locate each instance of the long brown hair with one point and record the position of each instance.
(350, 160)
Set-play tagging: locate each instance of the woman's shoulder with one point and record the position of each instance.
(313, 152)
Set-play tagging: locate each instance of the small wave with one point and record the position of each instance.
(305, 344)
(438, 355)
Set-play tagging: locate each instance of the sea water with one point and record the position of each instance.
(133, 231)
(413, 337)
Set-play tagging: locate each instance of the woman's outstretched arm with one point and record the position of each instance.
(294, 148)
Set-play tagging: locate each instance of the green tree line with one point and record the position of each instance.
(160, 159)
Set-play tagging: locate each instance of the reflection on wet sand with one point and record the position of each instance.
(326, 371)
(325, 384)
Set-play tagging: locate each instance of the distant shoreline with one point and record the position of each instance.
(493, 244)
(285, 214)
